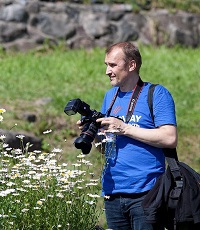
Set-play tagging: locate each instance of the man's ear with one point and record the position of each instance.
(132, 65)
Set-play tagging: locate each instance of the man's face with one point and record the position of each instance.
(117, 69)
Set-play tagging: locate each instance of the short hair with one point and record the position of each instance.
(130, 51)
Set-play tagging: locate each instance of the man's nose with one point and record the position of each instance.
(108, 70)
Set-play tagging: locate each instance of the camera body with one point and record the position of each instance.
(88, 120)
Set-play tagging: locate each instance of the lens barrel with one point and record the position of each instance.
(84, 141)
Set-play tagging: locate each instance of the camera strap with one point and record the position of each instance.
(132, 103)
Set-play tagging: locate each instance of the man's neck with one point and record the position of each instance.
(130, 85)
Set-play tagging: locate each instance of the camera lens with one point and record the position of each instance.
(89, 117)
(87, 136)
(81, 143)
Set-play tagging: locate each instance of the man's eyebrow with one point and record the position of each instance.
(109, 63)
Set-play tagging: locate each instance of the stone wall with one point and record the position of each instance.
(27, 24)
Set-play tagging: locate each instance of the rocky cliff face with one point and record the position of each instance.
(27, 24)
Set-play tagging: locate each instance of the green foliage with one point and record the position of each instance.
(62, 75)
(173, 5)
(54, 73)
(186, 5)
(39, 193)
(178, 70)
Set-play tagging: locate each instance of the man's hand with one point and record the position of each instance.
(79, 123)
(112, 124)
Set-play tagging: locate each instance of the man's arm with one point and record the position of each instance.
(162, 137)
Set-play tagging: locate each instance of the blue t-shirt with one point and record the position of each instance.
(137, 165)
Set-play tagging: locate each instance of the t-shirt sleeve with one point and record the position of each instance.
(163, 107)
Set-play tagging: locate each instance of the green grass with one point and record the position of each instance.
(60, 75)
(178, 70)
(39, 193)
(63, 75)
(172, 5)
(66, 74)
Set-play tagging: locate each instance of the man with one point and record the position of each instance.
(139, 157)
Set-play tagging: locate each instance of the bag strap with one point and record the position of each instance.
(136, 92)
(150, 99)
(170, 154)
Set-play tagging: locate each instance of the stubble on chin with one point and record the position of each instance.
(113, 82)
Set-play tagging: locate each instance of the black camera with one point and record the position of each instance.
(88, 120)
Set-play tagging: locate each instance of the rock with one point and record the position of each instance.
(12, 31)
(16, 143)
(27, 24)
(14, 12)
(95, 25)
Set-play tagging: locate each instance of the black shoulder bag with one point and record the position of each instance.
(174, 201)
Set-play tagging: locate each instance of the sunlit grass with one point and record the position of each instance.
(38, 192)
(62, 75)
